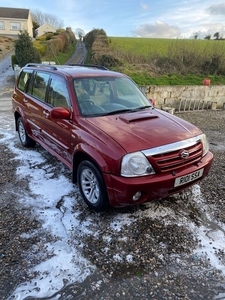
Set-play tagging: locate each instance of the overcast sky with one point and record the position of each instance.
(132, 18)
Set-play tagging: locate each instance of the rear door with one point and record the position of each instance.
(21, 99)
(36, 93)
(56, 133)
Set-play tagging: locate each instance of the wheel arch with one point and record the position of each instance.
(17, 115)
(80, 156)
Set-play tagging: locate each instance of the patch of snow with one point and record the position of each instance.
(117, 257)
(129, 258)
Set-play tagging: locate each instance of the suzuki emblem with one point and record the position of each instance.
(184, 154)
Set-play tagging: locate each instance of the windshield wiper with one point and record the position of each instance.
(119, 111)
(127, 110)
(144, 107)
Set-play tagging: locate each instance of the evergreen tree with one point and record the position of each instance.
(25, 51)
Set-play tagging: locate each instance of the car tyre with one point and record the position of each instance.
(25, 140)
(92, 186)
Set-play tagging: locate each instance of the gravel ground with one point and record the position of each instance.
(163, 264)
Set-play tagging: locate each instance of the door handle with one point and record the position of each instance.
(46, 113)
(25, 100)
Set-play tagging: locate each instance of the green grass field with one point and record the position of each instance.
(146, 46)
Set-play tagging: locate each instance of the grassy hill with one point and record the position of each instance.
(153, 61)
(148, 46)
(163, 61)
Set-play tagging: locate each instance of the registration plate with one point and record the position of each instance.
(188, 178)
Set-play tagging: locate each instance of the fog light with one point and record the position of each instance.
(136, 196)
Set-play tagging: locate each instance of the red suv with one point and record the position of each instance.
(120, 148)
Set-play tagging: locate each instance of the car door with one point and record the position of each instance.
(56, 132)
(20, 97)
(36, 94)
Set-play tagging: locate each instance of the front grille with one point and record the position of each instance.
(169, 157)
(171, 161)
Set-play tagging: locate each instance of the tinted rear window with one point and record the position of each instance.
(39, 85)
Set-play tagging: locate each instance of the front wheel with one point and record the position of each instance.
(25, 140)
(92, 186)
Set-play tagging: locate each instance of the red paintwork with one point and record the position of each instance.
(144, 130)
(60, 113)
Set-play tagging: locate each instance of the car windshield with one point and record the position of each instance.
(108, 95)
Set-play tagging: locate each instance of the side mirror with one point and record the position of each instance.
(60, 113)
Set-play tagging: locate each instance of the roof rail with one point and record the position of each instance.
(89, 66)
(41, 65)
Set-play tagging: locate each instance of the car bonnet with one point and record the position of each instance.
(145, 129)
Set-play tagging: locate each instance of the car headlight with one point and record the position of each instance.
(136, 164)
(205, 144)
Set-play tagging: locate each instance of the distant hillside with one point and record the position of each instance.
(147, 46)
(163, 61)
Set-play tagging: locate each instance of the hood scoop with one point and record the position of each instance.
(134, 117)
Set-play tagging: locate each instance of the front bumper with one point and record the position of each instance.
(121, 189)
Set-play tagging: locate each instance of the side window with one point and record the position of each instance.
(39, 86)
(24, 80)
(58, 95)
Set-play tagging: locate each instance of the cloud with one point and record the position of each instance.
(210, 29)
(144, 6)
(216, 9)
(157, 30)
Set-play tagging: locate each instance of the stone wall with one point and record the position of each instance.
(187, 97)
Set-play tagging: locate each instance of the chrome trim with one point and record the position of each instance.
(172, 147)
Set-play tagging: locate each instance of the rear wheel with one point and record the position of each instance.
(25, 140)
(92, 186)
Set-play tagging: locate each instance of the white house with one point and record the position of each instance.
(13, 20)
(45, 28)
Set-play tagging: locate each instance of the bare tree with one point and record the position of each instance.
(42, 18)
(79, 33)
